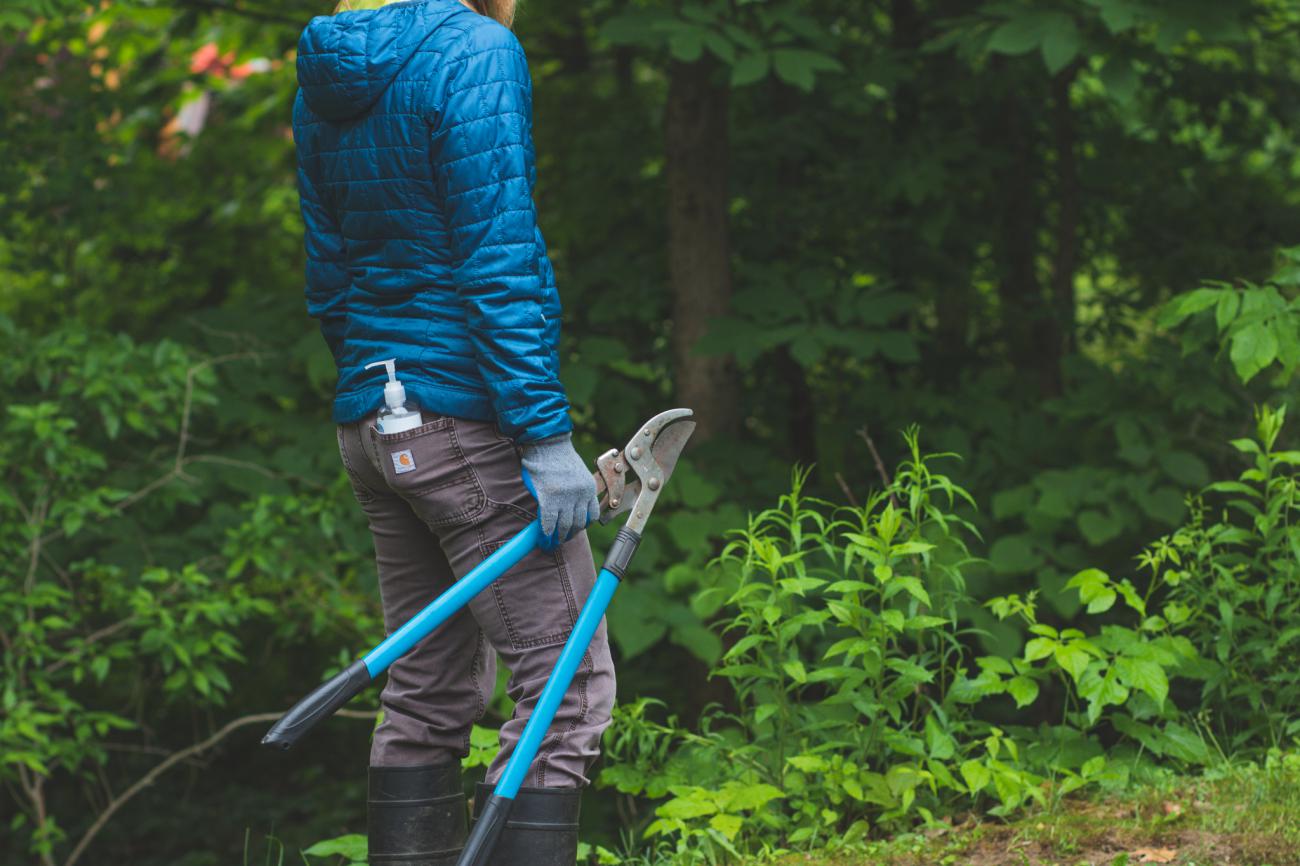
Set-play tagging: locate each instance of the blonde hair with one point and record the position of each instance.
(499, 10)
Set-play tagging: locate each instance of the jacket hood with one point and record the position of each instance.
(346, 61)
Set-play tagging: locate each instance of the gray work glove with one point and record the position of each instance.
(562, 483)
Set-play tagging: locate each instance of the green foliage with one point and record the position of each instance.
(758, 38)
(899, 209)
(858, 702)
(1231, 587)
(1062, 33)
(104, 626)
(351, 848)
(76, 628)
(1258, 325)
(843, 645)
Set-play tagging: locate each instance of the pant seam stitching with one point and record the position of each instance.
(544, 758)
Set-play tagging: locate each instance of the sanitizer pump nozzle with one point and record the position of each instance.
(396, 415)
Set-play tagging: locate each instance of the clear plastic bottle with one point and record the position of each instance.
(396, 415)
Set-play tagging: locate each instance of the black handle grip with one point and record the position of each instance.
(318, 705)
(491, 820)
(620, 552)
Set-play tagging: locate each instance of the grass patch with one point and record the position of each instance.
(1234, 817)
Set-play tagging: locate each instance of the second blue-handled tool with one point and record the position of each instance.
(343, 687)
(651, 455)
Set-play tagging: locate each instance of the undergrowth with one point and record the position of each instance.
(863, 707)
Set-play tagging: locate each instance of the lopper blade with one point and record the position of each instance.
(670, 443)
(653, 452)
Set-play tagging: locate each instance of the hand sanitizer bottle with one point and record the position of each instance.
(396, 415)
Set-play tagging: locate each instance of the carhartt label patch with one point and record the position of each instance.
(403, 461)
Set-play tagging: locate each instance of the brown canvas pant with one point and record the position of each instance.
(440, 498)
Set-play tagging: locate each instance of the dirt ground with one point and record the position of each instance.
(1006, 846)
(1179, 828)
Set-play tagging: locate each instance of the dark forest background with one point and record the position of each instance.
(815, 222)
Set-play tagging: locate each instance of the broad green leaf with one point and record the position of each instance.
(1118, 15)
(939, 743)
(351, 846)
(1225, 311)
(1253, 349)
(1072, 658)
(1039, 648)
(996, 664)
(696, 804)
(1185, 468)
(1099, 528)
(1102, 690)
(750, 796)
(1060, 46)
(1094, 588)
(808, 763)
(727, 825)
(1146, 676)
(750, 68)
(976, 775)
(1120, 79)
(1019, 35)
(1023, 689)
(686, 45)
(911, 586)
(910, 671)
(1185, 744)
(792, 67)
(893, 618)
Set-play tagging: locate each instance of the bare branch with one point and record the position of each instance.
(844, 486)
(39, 512)
(183, 440)
(106, 631)
(251, 467)
(172, 760)
(33, 785)
(880, 464)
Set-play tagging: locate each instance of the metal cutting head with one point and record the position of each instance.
(651, 455)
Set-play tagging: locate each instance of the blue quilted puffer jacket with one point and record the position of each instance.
(416, 170)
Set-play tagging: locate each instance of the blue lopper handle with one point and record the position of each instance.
(461, 593)
(336, 692)
(496, 812)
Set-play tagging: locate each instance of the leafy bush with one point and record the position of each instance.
(1230, 587)
(859, 700)
(109, 625)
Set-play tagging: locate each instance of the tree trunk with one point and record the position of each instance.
(699, 252)
(905, 41)
(1026, 316)
(1066, 262)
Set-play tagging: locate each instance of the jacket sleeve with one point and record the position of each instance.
(551, 310)
(327, 278)
(482, 164)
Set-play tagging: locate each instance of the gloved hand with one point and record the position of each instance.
(562, 483)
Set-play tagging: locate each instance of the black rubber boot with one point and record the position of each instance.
(416, 815)
(542, 829)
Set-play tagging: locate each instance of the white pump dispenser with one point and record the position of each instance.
(396, 415)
